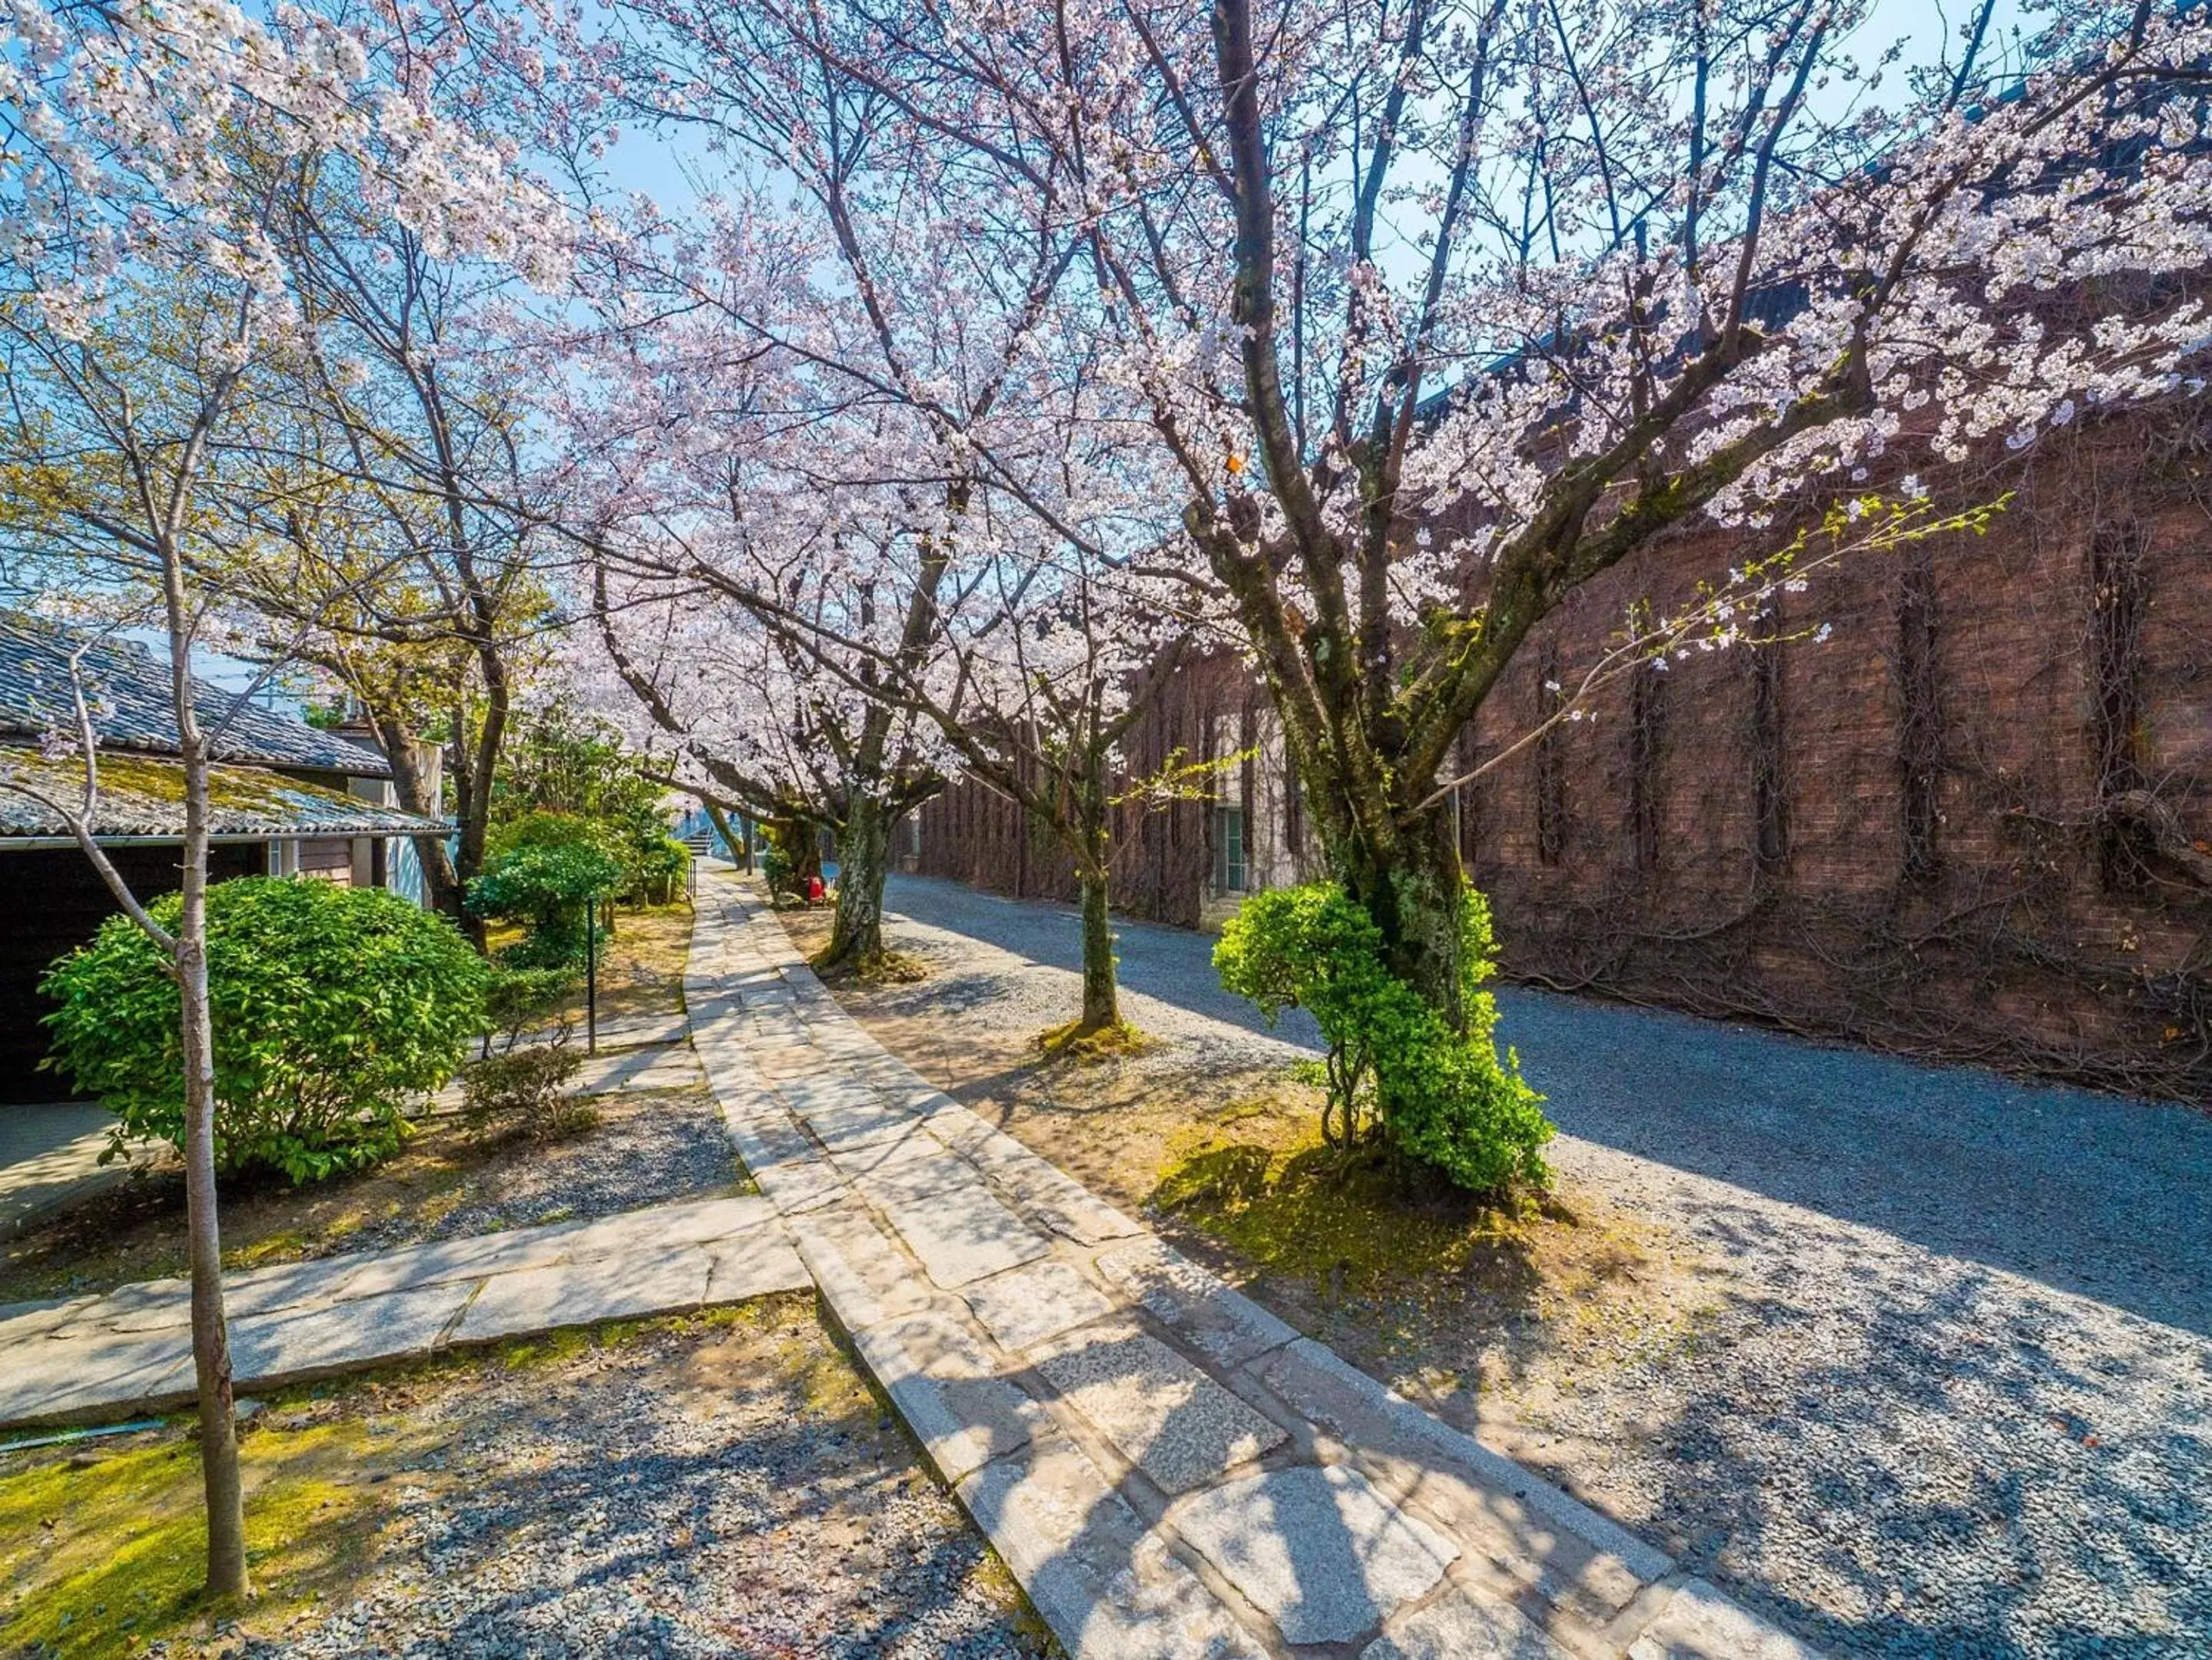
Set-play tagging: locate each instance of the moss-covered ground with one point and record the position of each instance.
(102, 1543)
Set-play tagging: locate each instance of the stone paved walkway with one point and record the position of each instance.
(1169, 1468)
(130, 1350)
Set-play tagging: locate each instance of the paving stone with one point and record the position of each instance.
(945, 1385)
(798, 1185)
(1054, 1197)
(21, 1322)
(912, 1180)
(157, 1304)
(754, 1265)
(1110, 1589)
(963, 1131)
(960, 1232)
(1049, 1193)
(60, 1378)
(145, 1305)
(1024, 1307)
(1315, 1383)
(866, 1277)
(1516, 1546)
(1221, 1323)
(286, 1285)
(1699, 1623)
(311, 1342)
(844, 1113)
(763, 1134)
(624, 1032)
(636, 1068)
(912, 1144)
(470, 1258)
(1457, 1625)
(1166, 1416)
(671, 1225)
(621, 1287)
(1318, 1551)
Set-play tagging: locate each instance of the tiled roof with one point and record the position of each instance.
(128, 689)
(143, 796)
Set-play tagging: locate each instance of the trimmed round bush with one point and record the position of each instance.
(332, 1007)
(546, 868)
(1395, 1069)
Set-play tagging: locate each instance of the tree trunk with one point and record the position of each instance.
(1405, 872)
(721, 821)
(1102, 1008)
(864, 842)
(797, 841)
(226, 1503)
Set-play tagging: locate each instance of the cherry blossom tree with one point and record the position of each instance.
(895, 308)
(140, 291)
(1440, 309)
(393, 468)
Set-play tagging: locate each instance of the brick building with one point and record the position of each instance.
(1972, 821)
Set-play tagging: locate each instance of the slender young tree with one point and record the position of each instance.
(395, 441)
(141, 296)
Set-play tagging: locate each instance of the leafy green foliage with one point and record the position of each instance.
(775, 866)
(526, 1090)
(657, 869)
(1395, 1069)
(518, 999)
(331, 1007)
(561, 767)
(547, 867)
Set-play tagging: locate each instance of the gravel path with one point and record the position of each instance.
(1959, 1400)
(649, 1147)
(687, 1493)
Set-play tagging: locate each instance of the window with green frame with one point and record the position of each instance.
(1228, 849)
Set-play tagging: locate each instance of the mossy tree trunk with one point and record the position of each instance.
(188, 954)
(1101, 1005)
(226, 1503)
(1404, 871)
(864, 839)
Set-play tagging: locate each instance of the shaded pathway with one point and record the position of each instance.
(131, 1349)
(1928, 1417)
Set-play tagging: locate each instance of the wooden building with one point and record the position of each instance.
(1963, 809)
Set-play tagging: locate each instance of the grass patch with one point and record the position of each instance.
(1294, 1206)
(102, 1557)
(1071, 1042)
(885, 967)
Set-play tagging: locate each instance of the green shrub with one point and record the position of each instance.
(776, 868)
(1395, 1069)
(517, 1000)
(526, 1090)
(549, 867)
(657, 865)
(331, 1007)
